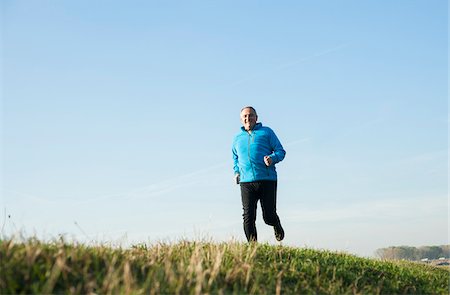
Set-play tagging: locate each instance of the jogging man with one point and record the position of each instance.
(256, 150)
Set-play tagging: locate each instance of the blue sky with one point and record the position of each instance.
(118, 117)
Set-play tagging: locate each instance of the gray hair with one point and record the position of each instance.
(249, 107)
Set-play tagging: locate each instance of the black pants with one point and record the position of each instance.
(251, 192)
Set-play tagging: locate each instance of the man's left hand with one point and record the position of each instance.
(267, 161)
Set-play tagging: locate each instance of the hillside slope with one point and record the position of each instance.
(200, 267)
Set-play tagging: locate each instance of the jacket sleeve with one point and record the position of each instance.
(278, 153)
(235, 159)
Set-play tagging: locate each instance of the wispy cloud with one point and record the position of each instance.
(297, 142)
(375, 210)
(149, 191)
(185, 180)
(14, 194)
(289, 64)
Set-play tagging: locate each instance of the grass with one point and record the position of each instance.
(187, 267)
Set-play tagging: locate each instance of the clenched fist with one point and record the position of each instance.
(267, 161)
(237, 178)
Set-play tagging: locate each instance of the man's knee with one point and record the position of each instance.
(270, 218)
(249, 216)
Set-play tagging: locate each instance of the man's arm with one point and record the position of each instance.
(237, 177)
(235, 161)
(278, 153)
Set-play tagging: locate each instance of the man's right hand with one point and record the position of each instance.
(237, 178)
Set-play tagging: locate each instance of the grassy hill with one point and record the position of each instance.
(200, 267)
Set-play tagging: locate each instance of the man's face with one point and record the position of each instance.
(248, 118)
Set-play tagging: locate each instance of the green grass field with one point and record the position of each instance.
(35, 267)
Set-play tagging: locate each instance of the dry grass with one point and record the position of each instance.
(204, 268)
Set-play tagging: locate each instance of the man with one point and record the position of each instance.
(256, 150)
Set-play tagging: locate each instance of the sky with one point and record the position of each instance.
(117, 119)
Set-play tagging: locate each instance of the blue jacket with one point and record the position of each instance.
(249, 151)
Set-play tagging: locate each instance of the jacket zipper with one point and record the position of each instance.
(249, 156)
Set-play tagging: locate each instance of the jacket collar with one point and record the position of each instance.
(256, 127)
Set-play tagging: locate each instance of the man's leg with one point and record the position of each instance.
(249, 200)
(269, 207)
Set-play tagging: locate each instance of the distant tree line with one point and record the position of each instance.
(413, 253)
